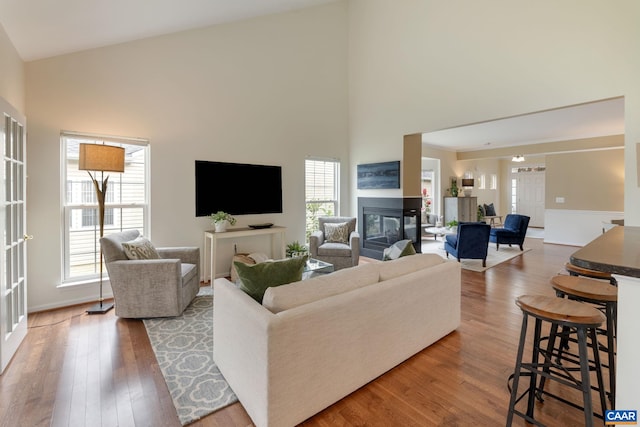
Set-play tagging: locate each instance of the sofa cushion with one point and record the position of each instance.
(336, 232)
(140, 248)
(256, 278)
(408, 264)
(284, 297)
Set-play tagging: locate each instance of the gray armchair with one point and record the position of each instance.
(152, 287)
(340, 254)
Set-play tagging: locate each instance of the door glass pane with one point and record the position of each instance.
(7, 268)
(7, 140)
(7, 180)
(20, 155)
(7, 231)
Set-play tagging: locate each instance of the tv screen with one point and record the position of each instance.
(237, 188)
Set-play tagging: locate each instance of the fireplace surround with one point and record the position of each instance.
(382, 221)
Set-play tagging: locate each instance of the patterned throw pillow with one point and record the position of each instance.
(336, 232)
(140, 248)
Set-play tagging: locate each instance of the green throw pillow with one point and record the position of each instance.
(398, 250)
(256, 278)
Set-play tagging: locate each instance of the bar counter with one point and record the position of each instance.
(618, 252)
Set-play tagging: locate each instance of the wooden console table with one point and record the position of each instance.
(211, 242)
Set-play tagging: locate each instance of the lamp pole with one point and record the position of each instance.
(100, 158)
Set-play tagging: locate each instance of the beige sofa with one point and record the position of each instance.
(313, 342)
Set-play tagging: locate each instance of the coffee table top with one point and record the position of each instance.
(316, 266)
(438, 230)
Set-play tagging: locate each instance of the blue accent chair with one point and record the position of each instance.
(471, 242)
(513, 231)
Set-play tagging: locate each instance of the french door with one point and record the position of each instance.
(530, 192)
(13, 280)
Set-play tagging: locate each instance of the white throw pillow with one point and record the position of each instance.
(140, 248)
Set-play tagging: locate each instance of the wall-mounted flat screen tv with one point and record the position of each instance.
(237, 188)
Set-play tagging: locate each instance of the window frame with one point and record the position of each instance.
(335, 201)
(67, 208)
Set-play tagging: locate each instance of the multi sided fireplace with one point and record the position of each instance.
(382, 221)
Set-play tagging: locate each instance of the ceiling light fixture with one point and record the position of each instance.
(518, 158)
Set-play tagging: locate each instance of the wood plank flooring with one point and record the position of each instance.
(79, 370)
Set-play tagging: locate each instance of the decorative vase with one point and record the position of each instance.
(221, 226)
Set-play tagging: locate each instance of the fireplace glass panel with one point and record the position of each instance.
(382, 229)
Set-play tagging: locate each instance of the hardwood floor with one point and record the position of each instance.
(79, 370)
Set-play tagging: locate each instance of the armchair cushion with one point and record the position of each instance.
(336, 232)
(140, 248)
(256, 278)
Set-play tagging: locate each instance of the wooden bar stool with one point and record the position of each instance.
(559, 312)
(575, 270)
(603, 296)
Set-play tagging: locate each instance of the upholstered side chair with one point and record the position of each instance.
(471, 241)
(144, 288)
(342, 253)
(513, 231)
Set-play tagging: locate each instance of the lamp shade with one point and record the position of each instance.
(104, 158)
(518, 158)
(467, 182)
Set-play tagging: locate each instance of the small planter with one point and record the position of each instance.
(221, 226)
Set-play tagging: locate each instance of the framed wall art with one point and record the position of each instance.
(379, 175)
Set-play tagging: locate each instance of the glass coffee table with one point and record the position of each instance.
(314, 267)
(439, 231)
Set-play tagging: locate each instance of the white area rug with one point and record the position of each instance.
(184, 349)
(493, 257)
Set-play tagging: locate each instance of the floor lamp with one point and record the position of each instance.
(100, 158)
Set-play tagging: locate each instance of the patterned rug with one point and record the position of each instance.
(494, 257)
(184, 349)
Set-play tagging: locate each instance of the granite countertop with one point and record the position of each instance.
(616, 251)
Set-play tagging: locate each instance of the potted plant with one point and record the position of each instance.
(296, 249)
(221, 220)
(452, 224)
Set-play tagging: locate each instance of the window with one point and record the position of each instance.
(321, 191)
(482, 182)
(126, 202)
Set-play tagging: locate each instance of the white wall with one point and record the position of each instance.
(575, 227)
(430, 65)
(270, 90)
(11, 73)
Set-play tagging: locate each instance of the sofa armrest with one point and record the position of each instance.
(241, 337)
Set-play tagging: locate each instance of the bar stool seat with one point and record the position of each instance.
(559, 312)
(575, 270)
(603, 295)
